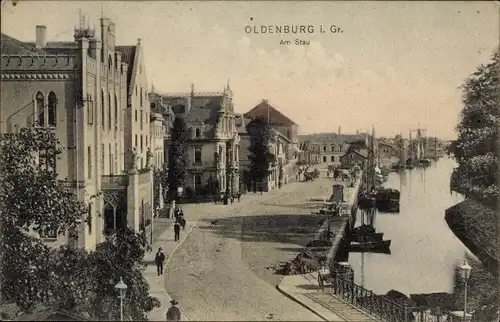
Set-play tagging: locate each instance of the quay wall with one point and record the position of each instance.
(348, 219)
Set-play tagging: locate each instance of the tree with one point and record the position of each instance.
(31, 199)
(475, 148)
(178, 157)
(260, 156)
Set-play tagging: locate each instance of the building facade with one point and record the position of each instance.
(79, 90)
(327, 148)
(286, 154)
(213, 141)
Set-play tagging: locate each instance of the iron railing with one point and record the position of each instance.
(382, 308)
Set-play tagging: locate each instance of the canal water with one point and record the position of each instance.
(424, 251)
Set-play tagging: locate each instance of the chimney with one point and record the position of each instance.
(339, 131)
(41, 36)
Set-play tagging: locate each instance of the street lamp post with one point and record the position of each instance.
(122, 287)
(465, 270)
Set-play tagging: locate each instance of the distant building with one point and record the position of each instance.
(85, 91)
(280, 146)
(353, 157)
(329, 147)
(213, 143)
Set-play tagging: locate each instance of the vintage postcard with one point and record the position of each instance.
(249, 160)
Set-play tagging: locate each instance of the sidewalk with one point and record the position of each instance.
(157, 283)
(304, 289)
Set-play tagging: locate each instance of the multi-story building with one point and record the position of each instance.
(328, 147)
(276, 119)
(79, 90)
(213, 142)
(282, 172)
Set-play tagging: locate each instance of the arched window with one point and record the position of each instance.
(40, 109)
(141, 96)
(116, 112)
(197, 154)
(153, 106)
(110, 62)
(103, 104)
(52, 109)
(110, 119)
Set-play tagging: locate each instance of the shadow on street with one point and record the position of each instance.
(292, 229)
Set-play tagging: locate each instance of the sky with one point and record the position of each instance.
(395, 65)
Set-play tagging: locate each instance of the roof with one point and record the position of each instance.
(208, 114)
(128, 56)
(387, 144)
(264, 109)
(362, 153)
(241, 123)
(326, 138)
(12, 46)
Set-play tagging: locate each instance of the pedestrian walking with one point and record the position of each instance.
(182, 222)
(177, 230)
(159, 260)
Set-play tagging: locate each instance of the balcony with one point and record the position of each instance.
(200, 165)
(111, 182)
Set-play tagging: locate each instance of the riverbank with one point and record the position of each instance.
(475, 225)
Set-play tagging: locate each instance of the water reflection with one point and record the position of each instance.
(424, 251)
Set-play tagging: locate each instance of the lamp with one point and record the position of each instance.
(122, 287)
(464, 271)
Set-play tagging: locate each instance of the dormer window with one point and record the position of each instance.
(197, 133)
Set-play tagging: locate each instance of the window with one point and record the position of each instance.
(121, 69)
(90, 110)
(141, 97)
(52, 109)
(103, 154)
(110, 63)
(197, 155)
(141, 143)
(332, 148)
(197, 133)
(153, 106)
(147, 141)
(324, 159)
(47, 160)
(116, 112)
(142, 120)
(136, 140)
(102, 56)
(103, 104)
(324, 148)
(89, 215)
(197, 181)
(109, 112)
(333, 158)
(116, 158)
(40, 109)
(135, 115)
(135, 90)
(89, 161)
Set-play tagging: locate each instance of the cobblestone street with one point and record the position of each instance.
(223, 272)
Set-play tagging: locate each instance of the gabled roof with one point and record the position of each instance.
(241, 123)
(264, 109)
(128, 56)
(208, 114)
(362, 153)
(12, 46)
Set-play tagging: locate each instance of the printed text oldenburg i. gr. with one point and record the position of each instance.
(292, 29)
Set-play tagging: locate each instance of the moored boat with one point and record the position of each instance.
(367, 238)
(377, 245)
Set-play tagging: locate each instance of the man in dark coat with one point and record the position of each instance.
(173, 312)
(177, 230)
(159, 260)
